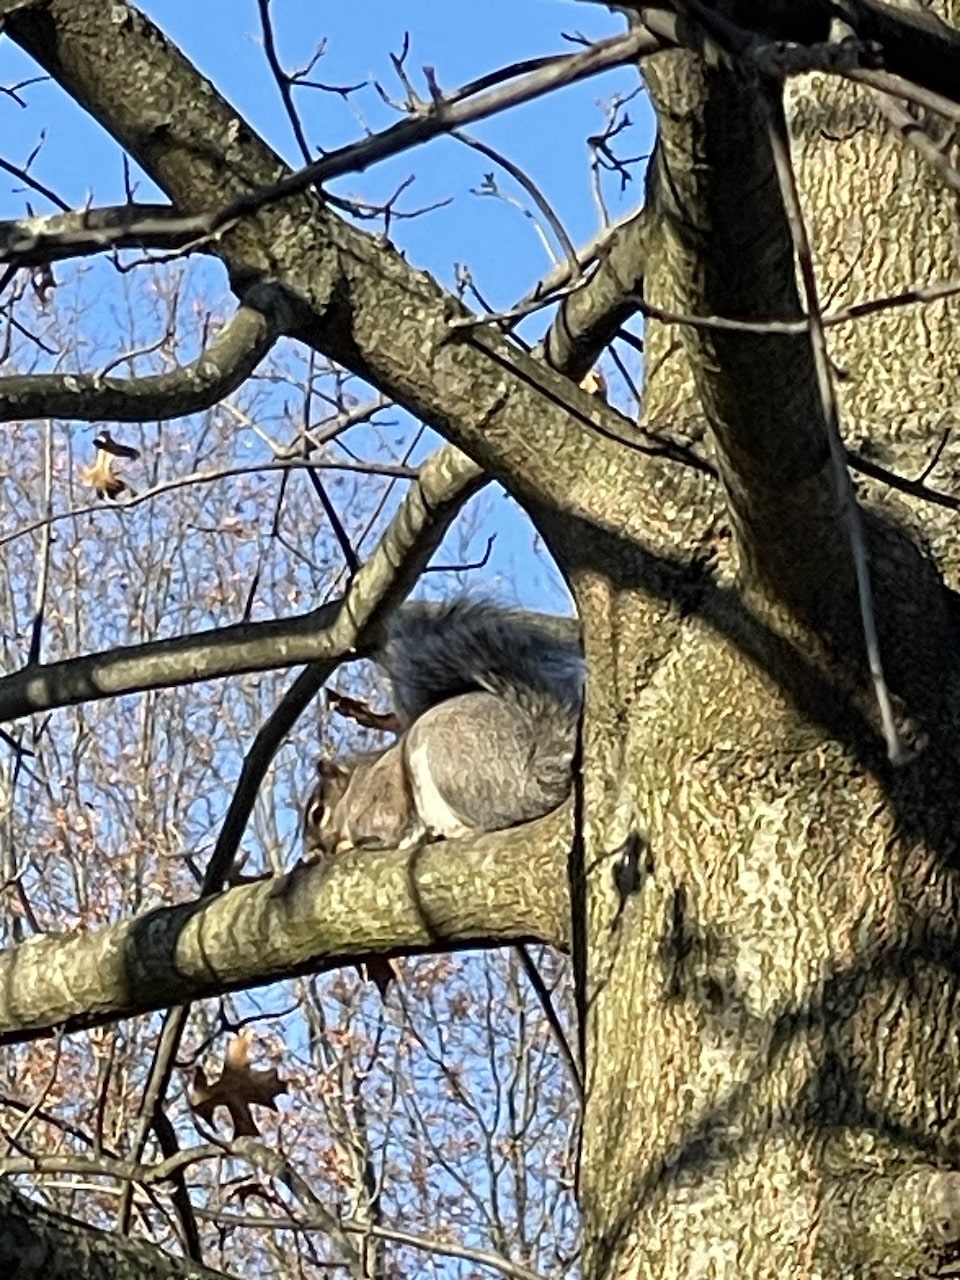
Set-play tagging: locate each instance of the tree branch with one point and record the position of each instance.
(453, 895)
(205, 655)
(222, 367)
(722, 236)
(447, 479)
(327, 634)
(33, 242)
(358, 301)
(916, 44)
(36, 1243)
(589, 318)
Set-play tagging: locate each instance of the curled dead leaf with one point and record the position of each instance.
(594, 383)
(100, 474)
(363, 714)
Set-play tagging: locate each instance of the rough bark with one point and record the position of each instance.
(38, 1244)
(770, 1020)
(772, 1023)
(493, 890)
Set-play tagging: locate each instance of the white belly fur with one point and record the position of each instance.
(435, 813)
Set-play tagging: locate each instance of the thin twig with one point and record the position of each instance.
(780, 147)
(394, 472)
(39, 603)
(533, 191)
(282, 80)
(535, 978)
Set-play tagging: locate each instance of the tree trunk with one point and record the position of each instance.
(772, 1030)
(764, 907)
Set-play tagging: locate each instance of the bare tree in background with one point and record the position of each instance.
(757, 881)
(449, 1097)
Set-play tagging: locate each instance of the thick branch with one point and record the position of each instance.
(327, 634)
(32, 242)
(508, 887)
(360, 303)
(228, 361)
(590, 318)
(723, 237)
(160, 664)
(916, 44)
(37, 1243)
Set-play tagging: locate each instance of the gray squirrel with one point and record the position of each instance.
(488, 699)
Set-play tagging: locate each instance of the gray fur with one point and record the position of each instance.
(505, 688)
(435, 651)
(489, 699)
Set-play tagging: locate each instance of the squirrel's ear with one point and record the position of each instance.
(328, 769)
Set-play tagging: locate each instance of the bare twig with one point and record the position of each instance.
(780, 147)
(26, 177)
(39, 606)
(286, 465)
(535, 978)
(282, 80)
(913, 133)
(533, 191)
(842, 315)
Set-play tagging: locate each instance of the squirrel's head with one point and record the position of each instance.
(321, 833)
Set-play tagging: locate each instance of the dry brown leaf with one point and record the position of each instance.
(239, 1087)
(100, 474)
(363, 714)
(381, 971)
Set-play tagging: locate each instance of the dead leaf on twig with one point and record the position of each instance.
(100, 474)
(594, 383)
(239, 1087)
(381, 971)
(363, 714)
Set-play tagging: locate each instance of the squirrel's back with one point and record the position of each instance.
(489, 699)
(436, 651)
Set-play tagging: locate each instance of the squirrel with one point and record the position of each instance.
(488, 699)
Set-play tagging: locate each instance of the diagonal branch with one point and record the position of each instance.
(589, 318)
(913, 43)
(32, 242)
(328, 633)
(445, 114)
(446, 481)
(356, 300)
(916, 43)
(830, 416)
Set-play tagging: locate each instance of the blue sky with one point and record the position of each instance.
(493, 236)
(222, 38)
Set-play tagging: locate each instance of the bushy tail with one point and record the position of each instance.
(436, 651)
